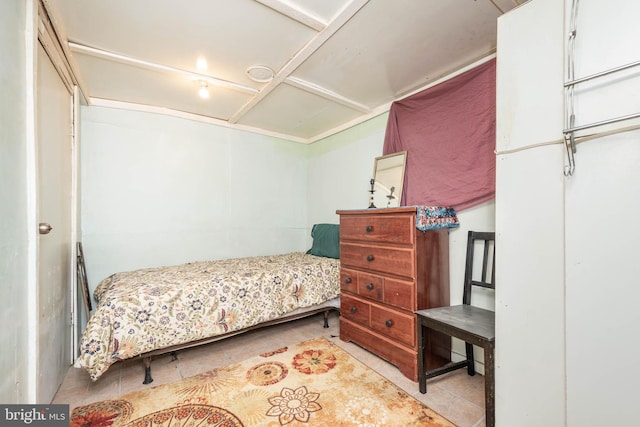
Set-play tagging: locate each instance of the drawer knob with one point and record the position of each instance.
(369, 286)
(389, 323)
(347, 280)
(369, 228)
(369, 258)
(352, 309)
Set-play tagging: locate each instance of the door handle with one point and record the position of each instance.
(44, 228)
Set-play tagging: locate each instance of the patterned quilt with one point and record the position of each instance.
(145, 310)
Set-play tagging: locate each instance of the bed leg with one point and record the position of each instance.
(326, 319)
(147, 371)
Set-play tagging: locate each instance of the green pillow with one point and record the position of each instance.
(326, 240)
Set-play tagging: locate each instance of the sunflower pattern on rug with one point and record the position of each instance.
(314, 383)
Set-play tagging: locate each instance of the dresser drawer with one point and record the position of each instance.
(401, 294)
(348, 280)
(378, 229)
(354, 309)
(406, 359)
(394, 324)
(371, 286)
(399, 261)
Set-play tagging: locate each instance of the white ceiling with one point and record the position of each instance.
(336, 62)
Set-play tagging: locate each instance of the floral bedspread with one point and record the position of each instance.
(145, 310)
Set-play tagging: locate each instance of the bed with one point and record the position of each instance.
(155, 311)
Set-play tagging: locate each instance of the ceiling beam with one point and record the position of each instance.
(327, 94)
(101, 102)
(505, 5)
(302, 55)
(124, 59)
(51, 34)
(294, 13)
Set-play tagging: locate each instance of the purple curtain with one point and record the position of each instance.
(449, 132)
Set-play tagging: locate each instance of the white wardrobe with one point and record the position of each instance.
(567, 322)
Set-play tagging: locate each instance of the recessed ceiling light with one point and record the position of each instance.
(260, 73)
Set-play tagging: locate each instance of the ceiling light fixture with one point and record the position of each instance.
(204, 90)
(201, 64)
(260, 73)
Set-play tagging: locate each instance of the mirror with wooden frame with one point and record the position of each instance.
(388, 177)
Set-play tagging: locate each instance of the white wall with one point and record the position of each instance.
(566, 318)
(14, 379)
(340, 168)
(160, 190)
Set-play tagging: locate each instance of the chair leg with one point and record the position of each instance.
(471, 367)
(489, 385)
(422, 375)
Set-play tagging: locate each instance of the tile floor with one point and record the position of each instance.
(456, 396)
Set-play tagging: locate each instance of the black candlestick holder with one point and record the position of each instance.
(391, 196)
(372, 182)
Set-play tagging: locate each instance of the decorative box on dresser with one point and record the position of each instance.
(388, 270)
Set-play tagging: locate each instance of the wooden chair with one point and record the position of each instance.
(474, 325)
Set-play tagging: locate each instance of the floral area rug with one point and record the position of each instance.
(314, 383)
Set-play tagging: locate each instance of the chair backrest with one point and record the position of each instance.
(486, 241)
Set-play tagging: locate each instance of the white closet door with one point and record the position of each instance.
(54, 152)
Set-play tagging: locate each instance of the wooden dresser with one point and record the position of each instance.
(389, 269)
